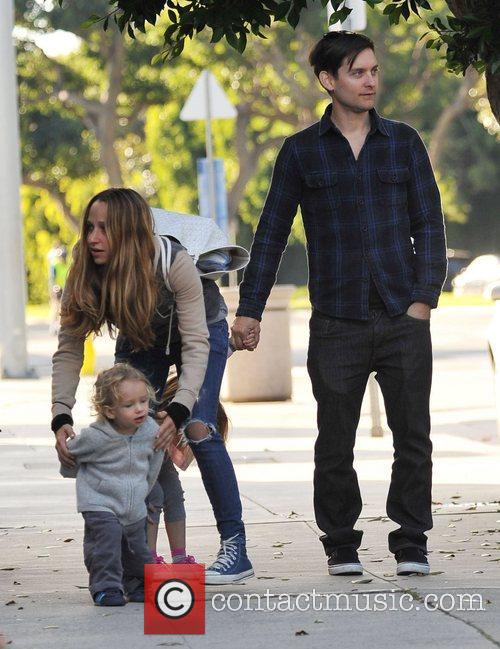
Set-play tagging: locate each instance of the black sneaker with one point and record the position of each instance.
(110, 597)
(412, 561)
(344, 561)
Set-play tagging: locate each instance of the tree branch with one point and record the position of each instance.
(58, 196)
(449, 114)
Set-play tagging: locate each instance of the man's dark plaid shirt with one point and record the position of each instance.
(376, 217)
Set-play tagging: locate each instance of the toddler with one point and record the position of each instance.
(116, 469)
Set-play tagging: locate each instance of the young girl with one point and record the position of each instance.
(209, 247)
(116, 469)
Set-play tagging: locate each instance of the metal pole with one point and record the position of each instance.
(14, 362)
(208, 145)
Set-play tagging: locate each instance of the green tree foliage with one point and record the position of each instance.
(104, 115)
(469, 36)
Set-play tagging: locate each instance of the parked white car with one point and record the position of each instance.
(480, 273)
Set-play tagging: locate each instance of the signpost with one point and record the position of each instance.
(208, 101)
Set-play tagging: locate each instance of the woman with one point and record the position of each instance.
(114, 280)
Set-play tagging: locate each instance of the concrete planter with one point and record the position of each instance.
(265, 374)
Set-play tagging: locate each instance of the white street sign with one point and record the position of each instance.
(207, 103)
(355, 21)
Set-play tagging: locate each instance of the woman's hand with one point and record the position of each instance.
(65, 457)
(166, 432)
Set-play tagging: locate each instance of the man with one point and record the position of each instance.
(377, 262)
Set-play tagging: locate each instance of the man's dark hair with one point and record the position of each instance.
(329, 52)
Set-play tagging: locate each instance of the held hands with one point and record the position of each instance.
(166, 432)
(419, 310)
(65, 457)
(246, 333)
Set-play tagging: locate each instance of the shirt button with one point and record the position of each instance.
(364, 228)
(361, 201)
(320, 183)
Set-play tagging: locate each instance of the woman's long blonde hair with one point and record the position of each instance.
(123, 292)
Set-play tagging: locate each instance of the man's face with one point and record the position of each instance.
(354, 87)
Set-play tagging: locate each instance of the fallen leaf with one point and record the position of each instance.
(376, 560)
(292, 514)
(486, 554)
(42, 556)
(436, 502)
(82, 587)
(478, 572)
(68, 540)
(51, 626)
(456, 496)
(436, 572)
(388, 574)
(455, 520)
(8, 568)
(12, 601)
(17, 583)
(280, 544)
(361, 581)
(463, 540)
(451, 525)
(318, 621)
(301, 632)
(265, 577)
(169, 644)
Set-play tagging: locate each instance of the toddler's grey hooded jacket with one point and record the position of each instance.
(114, 472)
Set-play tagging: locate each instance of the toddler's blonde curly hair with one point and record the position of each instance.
(106, 391)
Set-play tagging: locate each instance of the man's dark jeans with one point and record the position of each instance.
(342, 353)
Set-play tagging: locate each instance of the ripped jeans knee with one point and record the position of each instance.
(197, 431)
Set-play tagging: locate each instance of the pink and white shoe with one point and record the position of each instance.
(187, 559)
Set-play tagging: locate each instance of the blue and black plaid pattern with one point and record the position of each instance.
(375, 217)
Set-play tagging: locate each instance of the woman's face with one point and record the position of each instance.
(97, 238)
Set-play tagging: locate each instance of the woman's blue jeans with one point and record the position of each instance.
(213, 460)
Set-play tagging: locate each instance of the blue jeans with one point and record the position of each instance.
(213, 460)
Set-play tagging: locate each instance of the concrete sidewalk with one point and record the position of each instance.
(44, 601)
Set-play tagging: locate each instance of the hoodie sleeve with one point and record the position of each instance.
(85, 446)
(82, 447)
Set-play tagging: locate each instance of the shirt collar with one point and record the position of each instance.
(326, 123)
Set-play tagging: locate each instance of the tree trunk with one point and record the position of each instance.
(449, 114)
(108, 119)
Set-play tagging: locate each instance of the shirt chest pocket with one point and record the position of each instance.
(392, 185)
(321, 190)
